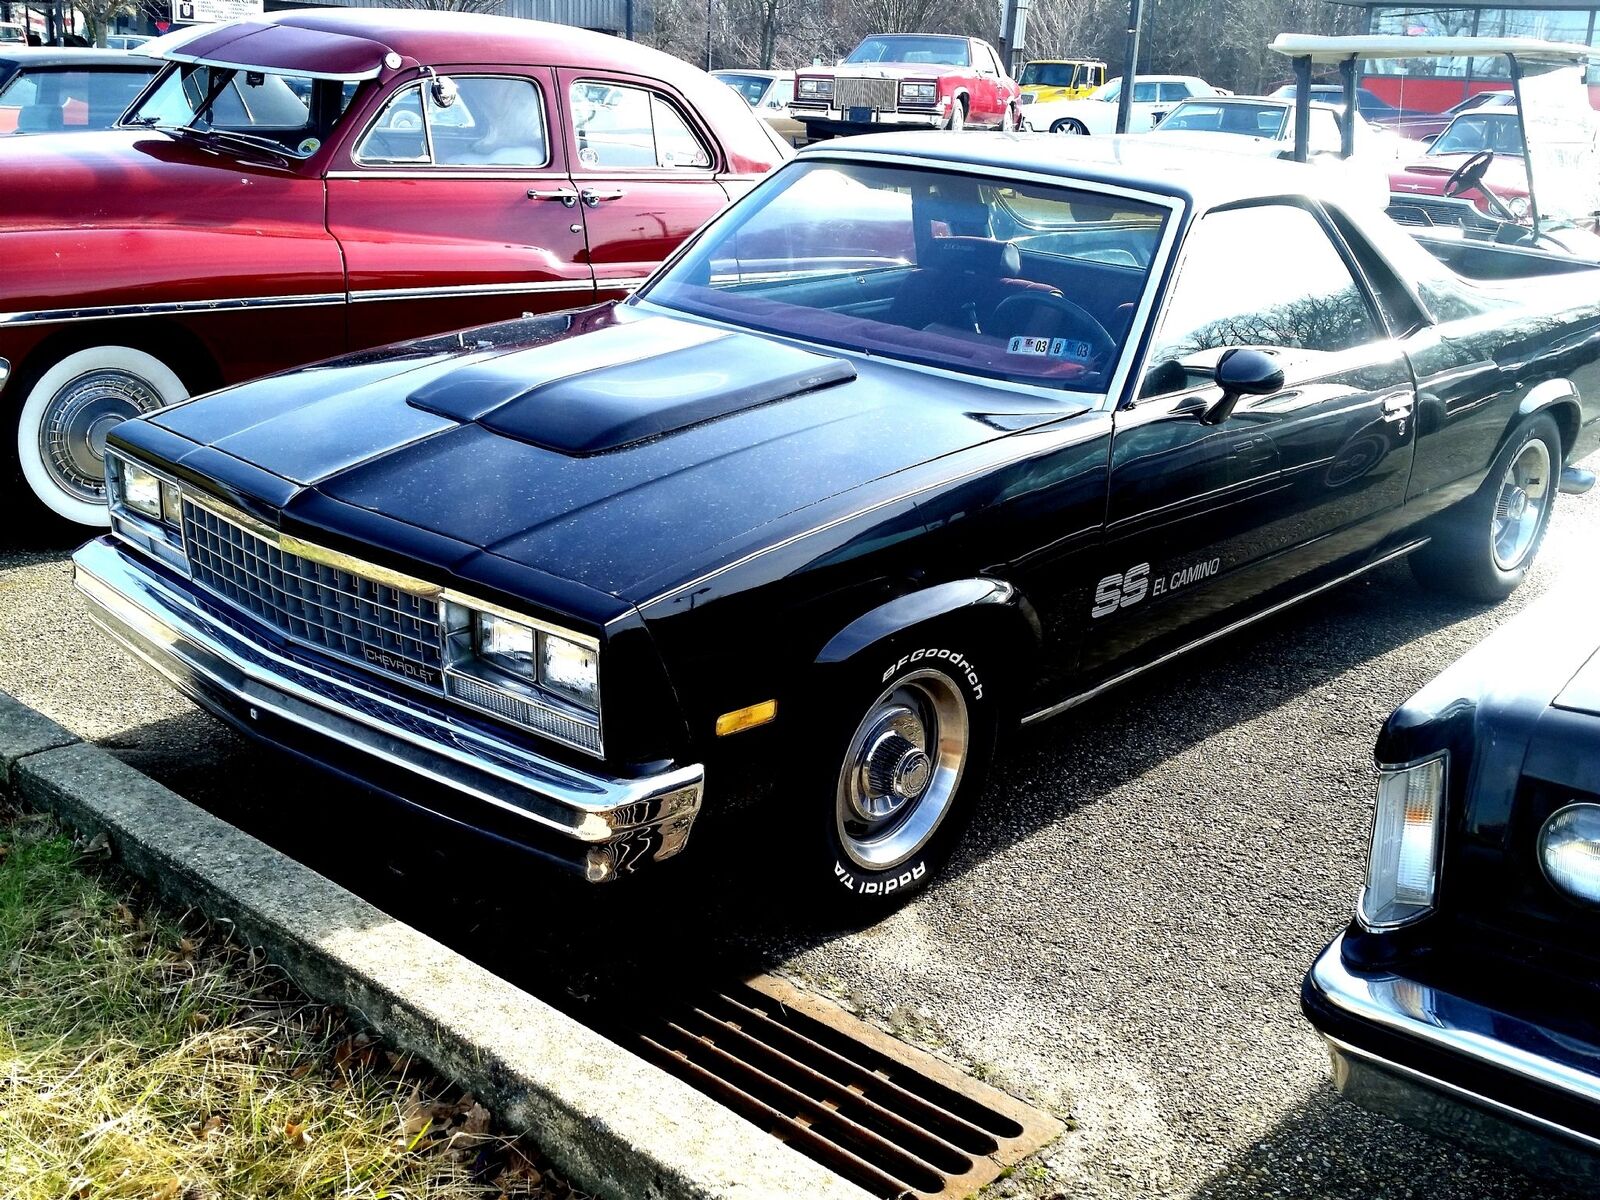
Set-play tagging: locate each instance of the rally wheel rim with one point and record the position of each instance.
(1519, 510)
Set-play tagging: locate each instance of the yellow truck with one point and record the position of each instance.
(1060, 78)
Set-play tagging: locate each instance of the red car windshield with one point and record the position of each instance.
(939, 51)
(287, 114)
(1021, 282)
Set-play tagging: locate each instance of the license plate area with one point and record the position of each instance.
(858, 114)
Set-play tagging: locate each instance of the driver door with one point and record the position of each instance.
(1205, 515)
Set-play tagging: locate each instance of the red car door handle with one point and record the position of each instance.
(593, 198)
(569, 199)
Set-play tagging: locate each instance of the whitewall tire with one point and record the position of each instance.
(62, 427)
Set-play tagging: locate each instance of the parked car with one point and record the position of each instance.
(1461, 999)
(363, 175)
(1422, 126)
(49, 90)
(1483, 143)
(126, 41)
(907, 80)
(922, 438)
(1153, 97)
(1265, 126)
(769, 94)
(12, 35)
(1368, 103)
(1060, 78)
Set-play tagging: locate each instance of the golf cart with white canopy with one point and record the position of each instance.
(1560, 133)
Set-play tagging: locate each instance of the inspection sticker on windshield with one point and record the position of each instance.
(1049, 347)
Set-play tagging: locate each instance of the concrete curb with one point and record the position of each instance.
(617, 1125)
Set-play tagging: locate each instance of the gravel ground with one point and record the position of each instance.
(1122, 939)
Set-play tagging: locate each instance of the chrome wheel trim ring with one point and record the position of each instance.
(1520, 508)
(901, 770)
(72, 431)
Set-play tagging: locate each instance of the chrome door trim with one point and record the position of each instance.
(1073, 701)
(453, 291)
(105, 312)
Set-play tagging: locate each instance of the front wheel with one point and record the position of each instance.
(1070, 126)
(62, 425)
(900, 761)
(957, 120)
(1483, 550)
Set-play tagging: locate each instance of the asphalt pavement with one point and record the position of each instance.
(1120, 940)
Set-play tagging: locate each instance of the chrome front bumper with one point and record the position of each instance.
(602, 825)
(898, 119)
(1458, 1069)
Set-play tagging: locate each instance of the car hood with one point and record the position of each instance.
(622, 450)
(70, 180)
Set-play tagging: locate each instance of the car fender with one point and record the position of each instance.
(1558, 397)
(995, 598)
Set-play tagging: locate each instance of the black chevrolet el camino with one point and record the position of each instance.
(1463, 997)
(925, 437)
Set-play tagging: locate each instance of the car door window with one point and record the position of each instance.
(485, 120)
(782, 92)
(1172, 92)
(1238, 287)
(631, 127)
(1144, 93)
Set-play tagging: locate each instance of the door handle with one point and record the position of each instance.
(1397, 406)
(568, 199)
(593, 198)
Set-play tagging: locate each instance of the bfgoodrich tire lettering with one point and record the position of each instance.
(62, 424)
(1484, 548)
(904, 754)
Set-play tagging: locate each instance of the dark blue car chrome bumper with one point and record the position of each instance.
(1496, 1082)
(393, 743)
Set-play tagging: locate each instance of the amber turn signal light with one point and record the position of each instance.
(747, 718)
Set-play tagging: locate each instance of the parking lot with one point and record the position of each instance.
(1121, 940)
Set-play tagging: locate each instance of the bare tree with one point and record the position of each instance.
(100, 15)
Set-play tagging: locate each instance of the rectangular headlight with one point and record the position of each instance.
(919, 93)
(1402, 864)
(141, 490)
(506, 645)
(569, 670)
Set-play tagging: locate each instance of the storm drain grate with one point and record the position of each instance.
(890, 1118)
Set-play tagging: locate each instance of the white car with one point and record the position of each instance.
(1265, 125)
(1153, 97)
(12, 35)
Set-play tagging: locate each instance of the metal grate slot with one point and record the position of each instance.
(881, 94)
(888, 1117)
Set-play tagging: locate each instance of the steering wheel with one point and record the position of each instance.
(1469, 174)
(1081, 323)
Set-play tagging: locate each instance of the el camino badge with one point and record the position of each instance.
(396, 665)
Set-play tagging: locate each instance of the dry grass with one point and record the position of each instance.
(147, 1057)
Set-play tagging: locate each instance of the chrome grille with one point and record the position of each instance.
(880, 94)
(369, 622)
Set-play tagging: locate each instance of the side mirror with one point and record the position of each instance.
(444, 91)
(1428, 139)
(1242, 373)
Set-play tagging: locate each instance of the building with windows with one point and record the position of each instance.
(1434, 84)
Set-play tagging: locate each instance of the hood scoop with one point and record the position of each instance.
(608, 407)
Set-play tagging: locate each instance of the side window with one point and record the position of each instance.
(630, 127)
(782, 93)
(1097, 76)
(1144, 93)
(1173, 91)
(493, 121)
(1237, 288)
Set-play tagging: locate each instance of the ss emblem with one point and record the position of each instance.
(1121, 590)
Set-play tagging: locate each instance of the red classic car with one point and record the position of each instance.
(291, 188)
(908, 80)
(1493, 136)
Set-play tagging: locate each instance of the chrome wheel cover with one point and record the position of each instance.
(72, 433)
(901, 770)
(1519, 510)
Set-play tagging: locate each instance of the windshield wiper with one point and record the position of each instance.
(211, 136)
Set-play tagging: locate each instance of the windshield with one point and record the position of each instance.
(56, 100)
(1248, 120)
(1475, 131)
(1043, 74)
(1021, 282)
(288, 114)
(751, 87)
(942, 51)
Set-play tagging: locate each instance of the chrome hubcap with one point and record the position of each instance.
(1519, 510)
(72, 436)
(901, 770)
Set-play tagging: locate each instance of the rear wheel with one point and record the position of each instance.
(900, 760)
(1483, 550)
(69, 410)
(1069, 125)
